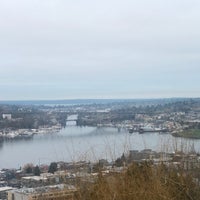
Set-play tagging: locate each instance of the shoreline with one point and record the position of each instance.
(27, 133)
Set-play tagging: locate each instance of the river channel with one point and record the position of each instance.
(75, 143)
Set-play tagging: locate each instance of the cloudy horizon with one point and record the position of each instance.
(105, 49)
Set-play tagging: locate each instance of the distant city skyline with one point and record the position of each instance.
(99, 49)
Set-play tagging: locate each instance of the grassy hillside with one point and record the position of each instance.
(191, 133)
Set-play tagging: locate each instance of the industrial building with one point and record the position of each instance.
(58, 192)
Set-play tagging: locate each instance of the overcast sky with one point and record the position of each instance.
(60, 49)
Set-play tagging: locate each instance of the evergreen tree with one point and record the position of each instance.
(36, 171)
(53, 167)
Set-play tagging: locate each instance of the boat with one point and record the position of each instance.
(130, 130)
(133, 129)
(146, 129)
(151, 130)
(25, 135)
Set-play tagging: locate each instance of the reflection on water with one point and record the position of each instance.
(85, 143)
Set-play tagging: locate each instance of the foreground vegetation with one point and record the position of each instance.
(142, 182)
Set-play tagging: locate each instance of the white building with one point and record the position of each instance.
(3, 192)
(61, 191)
(7, 116)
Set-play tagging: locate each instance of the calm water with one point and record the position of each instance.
(85, 143)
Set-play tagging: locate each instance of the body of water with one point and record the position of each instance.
(85, 143)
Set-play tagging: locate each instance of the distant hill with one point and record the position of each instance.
(93, 101)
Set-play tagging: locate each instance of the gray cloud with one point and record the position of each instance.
(99, 48)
